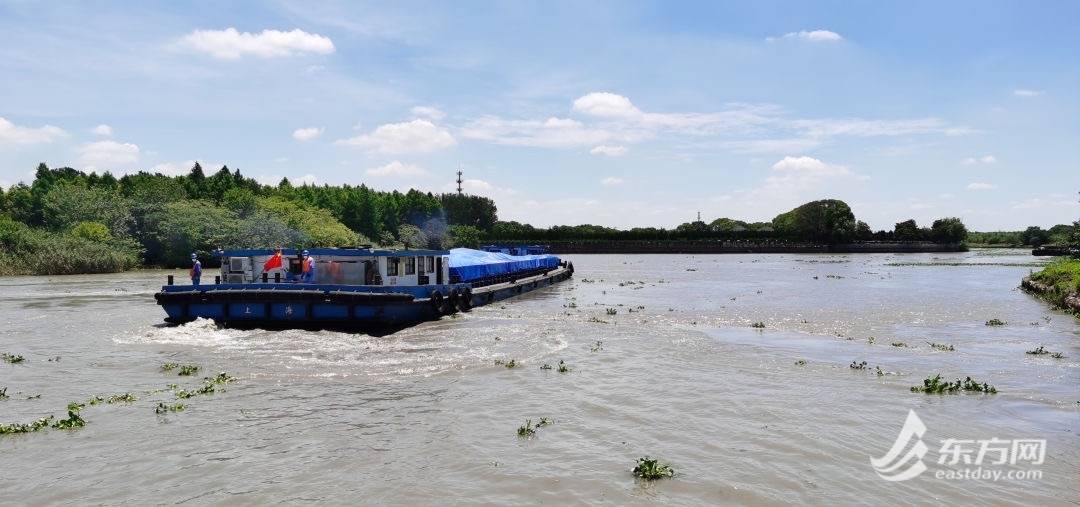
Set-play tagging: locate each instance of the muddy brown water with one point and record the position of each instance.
(425, 416)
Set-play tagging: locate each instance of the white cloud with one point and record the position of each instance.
(809, 166)
(611, 151)
(985, 159)
(107, 155)
(397, 169)
(230, 44)
(1027, 93)
(606, 105)
(102, 130)
(428, 112)
(307, 134)
(14, 134)
(811, 35)
(416, 136)
(181, 168)
(611, 181)
(978, 185)
(550, 133)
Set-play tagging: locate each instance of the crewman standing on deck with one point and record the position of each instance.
(196, 270)
(307, 272)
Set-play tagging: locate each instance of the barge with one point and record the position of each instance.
(361, 288)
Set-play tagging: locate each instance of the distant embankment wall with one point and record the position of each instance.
(716, 246)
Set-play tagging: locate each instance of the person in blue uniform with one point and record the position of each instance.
(307, 268)
(196, 270)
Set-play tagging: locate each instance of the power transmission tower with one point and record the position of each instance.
(459, 181)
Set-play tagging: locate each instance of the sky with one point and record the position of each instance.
(623, 113)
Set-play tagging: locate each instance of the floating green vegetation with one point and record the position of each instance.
(967, 264)
(801, 362)
(220, 378)
(877, 369)
(899, 344)
(12, 358)
(562, 367)
(188, 370)
(94, 400)
(3, 393)
(598, 347)
(598, 321)
(545, 366)
(544, 421)
(38, 425)
(121, 398)
(944, 347)
(74, 420)
(1040, 351)
(758, 325)
(996, 322)
(526, 430)
(509, 364)
(934, 385)
(572, 305)
(162, 408)
(170, 366)
(871, 340)
(612, 311)
(857, 366)
(652, 469)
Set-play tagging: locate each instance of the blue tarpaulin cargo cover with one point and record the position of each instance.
(468, 264)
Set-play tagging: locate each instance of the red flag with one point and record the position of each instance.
(273, 262)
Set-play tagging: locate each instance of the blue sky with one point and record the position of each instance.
(613, 113)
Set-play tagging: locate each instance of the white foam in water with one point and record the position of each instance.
(199, 333)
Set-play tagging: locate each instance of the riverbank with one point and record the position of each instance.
(740, 246)
(1058, 283)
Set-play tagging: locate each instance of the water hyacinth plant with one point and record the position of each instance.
(652, 469)
(162, 408)
(758, 325)
(801, 362)
(857, 366)
(944, 347)
(996, 322)
(1038, 351)
(526, 430)
(38, 425)
(562, 367)
(74, 420)
(934, 385)
(12, 358)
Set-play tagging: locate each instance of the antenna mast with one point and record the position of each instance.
(459, 181)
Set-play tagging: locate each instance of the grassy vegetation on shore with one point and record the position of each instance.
(1058, 282)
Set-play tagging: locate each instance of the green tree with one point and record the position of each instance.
(240, 200)
(907, 230)
(1035, 236)
(827, 220)
(67, 204)
(948, 230)
(411, 236)
(93, 231)
(465, 236)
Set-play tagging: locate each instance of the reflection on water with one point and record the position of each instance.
(425, 414)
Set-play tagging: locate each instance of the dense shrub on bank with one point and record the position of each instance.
(1061, 279)
(28, 251)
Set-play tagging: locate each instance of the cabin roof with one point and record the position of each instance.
(343, 252)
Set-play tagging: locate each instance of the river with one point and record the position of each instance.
(426, 416)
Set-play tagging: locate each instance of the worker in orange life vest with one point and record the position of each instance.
(307, 274)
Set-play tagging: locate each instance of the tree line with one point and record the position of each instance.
(827, 221)
(156, 219)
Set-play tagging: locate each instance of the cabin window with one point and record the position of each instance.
(420, 265)
(391, 266)
(430, 264)
(410, 265)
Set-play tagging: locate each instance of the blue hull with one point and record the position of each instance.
(311, 305)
